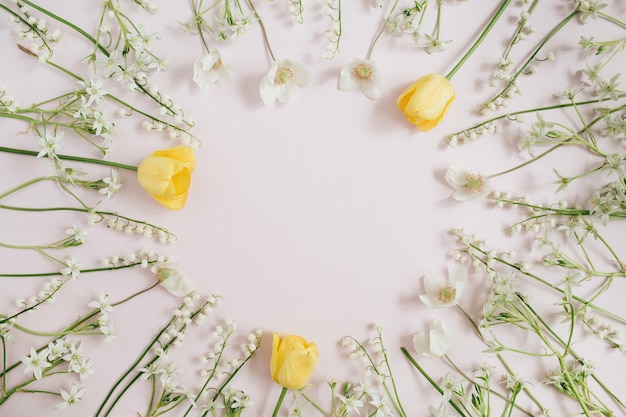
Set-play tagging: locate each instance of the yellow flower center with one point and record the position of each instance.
(217, 64)
(447, 295)
(475, 183)
(363, 71)
(283, 75)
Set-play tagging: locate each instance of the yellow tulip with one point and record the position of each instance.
(166, 175)
(293, 361)
(427, 100)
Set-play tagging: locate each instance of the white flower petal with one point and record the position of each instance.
(372, 89)
(456, 176)
(433, 284)
(287, 93)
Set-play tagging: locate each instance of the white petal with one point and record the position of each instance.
(268, 89)
(457, 274)
(371, 88)
(440, 340)
(433, 284)
(430, 302)
(287, 93)
(301, 75)
(456, 176)
(421, 343)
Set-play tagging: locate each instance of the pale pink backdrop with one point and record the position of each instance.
(317, 218)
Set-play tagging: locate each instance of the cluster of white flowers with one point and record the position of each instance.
(332, 9)
(45, 295)
(224, 19)
(131, 226)
(48, 361)
(30, 28)
(7, 101)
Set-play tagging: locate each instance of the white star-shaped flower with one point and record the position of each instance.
(70, 398)
(36, 362)
(50, 144)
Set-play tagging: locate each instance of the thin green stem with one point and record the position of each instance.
(480, 39)
(70, 158)
(315, 405)
(4, 366)
(429, 379)
(279, 402)
(370, 50)
(545, 40)
(263, 30)
(612, 19)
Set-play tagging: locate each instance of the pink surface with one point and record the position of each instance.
(317, 218)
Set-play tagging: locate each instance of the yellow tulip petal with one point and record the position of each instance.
(293, 361)
(166, 175)
(426, 101)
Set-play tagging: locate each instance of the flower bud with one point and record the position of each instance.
(427, 100)
(293, 361)
(166, 175)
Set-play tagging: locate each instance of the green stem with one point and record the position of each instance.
(612, 19)
(4, 366)
(130, 369)
(70, 158)
(482, 37)
(279, 402)
(370, 50)
(429, 379)
(263, 31)
(496, 393)
(545, 40)
(315, 405)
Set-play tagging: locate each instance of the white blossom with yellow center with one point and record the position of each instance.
(444, 292)
(284, 81)
(468, 185)
(361, 74)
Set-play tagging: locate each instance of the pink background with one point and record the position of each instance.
(316, 218)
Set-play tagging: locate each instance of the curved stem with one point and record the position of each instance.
(370, 50)
(265, 37)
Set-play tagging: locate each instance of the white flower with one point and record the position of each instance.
(113, 184)
(83, 369)
(210, 68)
(94, 90)
(351, 403)
(468, 185)
(50, 144)
(102, 304)
(173, 279)
(71, 398)
(72, 268)
(283, 81)
(437, 342)
(450, 386)
(36, 362)
(76, 233)
(441, 292)
(361, 74)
